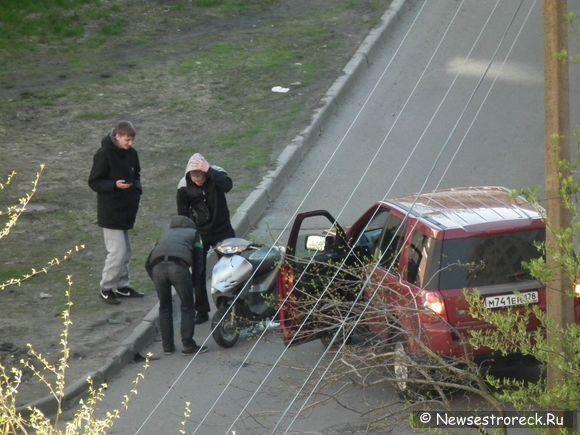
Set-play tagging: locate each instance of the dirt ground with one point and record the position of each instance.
(55, 115)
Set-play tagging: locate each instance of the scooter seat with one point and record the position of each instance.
(264, 259)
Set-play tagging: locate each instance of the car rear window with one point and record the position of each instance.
(487, 260)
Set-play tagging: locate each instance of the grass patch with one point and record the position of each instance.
(94, 116)
(8, 274)
(231, 7)
(25, 23)
(113, 28)
(242, 142)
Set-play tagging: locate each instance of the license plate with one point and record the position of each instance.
(512, 300)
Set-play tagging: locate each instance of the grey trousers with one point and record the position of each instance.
(119, 252)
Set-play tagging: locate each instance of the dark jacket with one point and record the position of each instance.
(116, 208)
(181, 240)
(207, 205)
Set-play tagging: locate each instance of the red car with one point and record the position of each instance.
(426, 250)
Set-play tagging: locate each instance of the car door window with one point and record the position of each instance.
(392, 238)
(421, 247)
(367, 241)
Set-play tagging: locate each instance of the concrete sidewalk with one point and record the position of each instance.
(247, 214)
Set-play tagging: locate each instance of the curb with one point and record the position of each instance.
(247, 214)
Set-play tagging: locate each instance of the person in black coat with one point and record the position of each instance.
(201, 196)
(116, 177)
(177, 251)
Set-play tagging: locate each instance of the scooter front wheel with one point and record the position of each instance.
(224, 327)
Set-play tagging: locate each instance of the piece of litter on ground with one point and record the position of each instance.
(45, 295)
(280, 89)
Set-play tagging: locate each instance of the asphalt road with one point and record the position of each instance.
(421, 115)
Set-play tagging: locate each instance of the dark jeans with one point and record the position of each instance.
(165, 275)
(201, 299)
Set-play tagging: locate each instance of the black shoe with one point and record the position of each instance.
(128, 292)
(169, 350)
(109, 296)
(201, 318)
(193, 349)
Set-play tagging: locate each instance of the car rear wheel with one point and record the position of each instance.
(406, 372)
(415, 377)
(401, 368)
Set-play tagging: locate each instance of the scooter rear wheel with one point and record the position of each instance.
(224, 326)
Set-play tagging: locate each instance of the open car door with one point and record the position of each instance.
(317, 244)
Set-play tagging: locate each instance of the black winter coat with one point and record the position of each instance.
(116, 208)
(212, 195)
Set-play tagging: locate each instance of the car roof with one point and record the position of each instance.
(469, 208)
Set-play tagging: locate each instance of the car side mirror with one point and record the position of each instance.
(321, 243)
(315, 243)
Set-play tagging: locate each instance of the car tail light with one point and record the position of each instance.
(434, 305)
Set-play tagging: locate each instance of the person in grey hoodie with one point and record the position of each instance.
(168, 264)
(201, 196)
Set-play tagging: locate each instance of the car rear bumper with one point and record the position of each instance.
(447, 342)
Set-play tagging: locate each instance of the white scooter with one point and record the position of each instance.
(244, 286)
